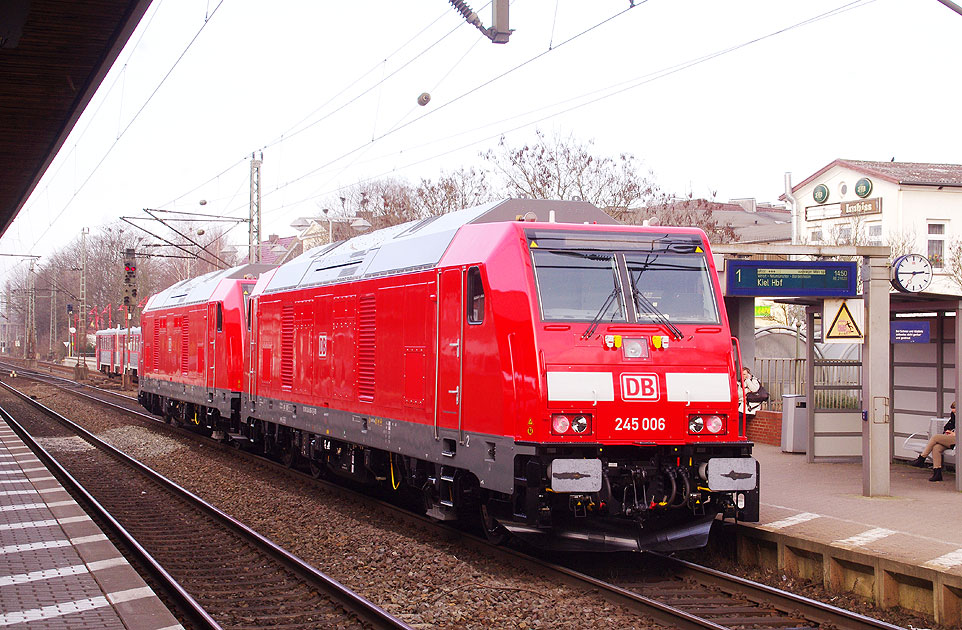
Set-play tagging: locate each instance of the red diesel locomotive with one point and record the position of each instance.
(530, 364)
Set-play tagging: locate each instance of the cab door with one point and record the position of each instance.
(215, 324)
(449, 383)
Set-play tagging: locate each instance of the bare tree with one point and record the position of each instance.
(901, 242)
(688, 212)
(953, 261)
(455, 190)
(564, 168)
(386, 202)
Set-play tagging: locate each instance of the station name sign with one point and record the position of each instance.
(844, 209)
(789, 278)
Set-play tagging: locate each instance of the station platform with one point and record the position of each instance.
(57, 568)
(904, 549)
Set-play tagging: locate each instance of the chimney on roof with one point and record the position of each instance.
(747, 203)
(272, 238)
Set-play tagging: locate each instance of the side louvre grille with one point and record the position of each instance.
(184, 344)
(366, 329)
(287, 346)
(156, 358)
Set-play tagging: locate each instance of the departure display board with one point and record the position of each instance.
(789, 278)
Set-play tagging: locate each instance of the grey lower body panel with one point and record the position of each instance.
(489, 457)
(220, 399)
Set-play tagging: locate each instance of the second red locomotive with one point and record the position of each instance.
(529, 364)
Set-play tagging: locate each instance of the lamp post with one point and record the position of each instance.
(330, 225)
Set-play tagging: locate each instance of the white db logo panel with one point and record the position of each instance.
(639, 387)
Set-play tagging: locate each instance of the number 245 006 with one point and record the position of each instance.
(634, 424)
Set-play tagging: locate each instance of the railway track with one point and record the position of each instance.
(235, 577)
(673, 592)
(712, 599)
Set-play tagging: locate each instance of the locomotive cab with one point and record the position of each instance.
(635, 441)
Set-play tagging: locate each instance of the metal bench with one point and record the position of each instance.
(917, 441)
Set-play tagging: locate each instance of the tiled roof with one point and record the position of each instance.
(273, 251)
(908, 173)
(766, 225)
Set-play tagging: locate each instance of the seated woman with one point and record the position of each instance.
(936, 445)
(750, 384)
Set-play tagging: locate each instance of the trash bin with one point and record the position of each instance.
(794, 423)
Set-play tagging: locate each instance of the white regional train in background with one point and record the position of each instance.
(113, 356)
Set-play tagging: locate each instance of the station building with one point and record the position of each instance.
(913, 208)
(907, 206)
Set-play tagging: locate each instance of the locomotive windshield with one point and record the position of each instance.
(622, 277)
(578, 286)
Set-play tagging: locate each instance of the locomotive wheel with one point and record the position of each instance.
(317, 469)
(288, 457)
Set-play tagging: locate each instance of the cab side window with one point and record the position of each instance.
(475, 295)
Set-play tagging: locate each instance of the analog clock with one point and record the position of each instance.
(911, 273)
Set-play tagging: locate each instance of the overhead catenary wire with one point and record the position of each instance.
(296, 129)
(130, 123)
(393, 129)
(436, 85)
(606, 93)
(452, 101)
(130, 221)
(120, 78)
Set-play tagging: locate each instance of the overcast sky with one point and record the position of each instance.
(328, 90)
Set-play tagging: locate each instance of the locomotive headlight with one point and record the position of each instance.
(560, 423)
(634, 348)
(714, 424)
(695, 424)
(579, 424)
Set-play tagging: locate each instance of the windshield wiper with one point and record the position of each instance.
(659, 316)
(640, 300)
(593, 326)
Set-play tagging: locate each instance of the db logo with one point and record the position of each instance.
(639, 386)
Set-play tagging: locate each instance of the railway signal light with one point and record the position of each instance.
(130, 266)
(130, 276)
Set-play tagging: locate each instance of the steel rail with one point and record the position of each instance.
(660, 612)
(365, 609)
(187, 604)
(811, 609)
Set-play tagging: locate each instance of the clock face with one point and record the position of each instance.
(913, 273)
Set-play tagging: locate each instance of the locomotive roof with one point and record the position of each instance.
(417, 244)
(201, 289)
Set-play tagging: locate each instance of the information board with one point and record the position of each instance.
(909, 332)
(790, 278)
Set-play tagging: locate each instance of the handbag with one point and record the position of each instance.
(757, 397)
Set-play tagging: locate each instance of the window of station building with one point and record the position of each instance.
(937, 244)
(845, 234)
(816, 236)
(875, 234)
(475, 300)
